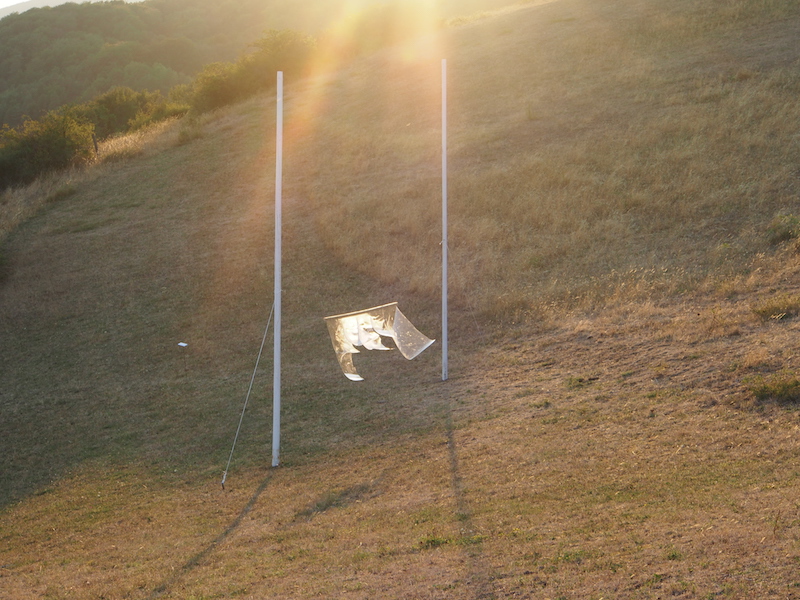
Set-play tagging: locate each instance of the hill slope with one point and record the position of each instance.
(619, 420)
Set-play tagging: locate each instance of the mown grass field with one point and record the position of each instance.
(621, 416)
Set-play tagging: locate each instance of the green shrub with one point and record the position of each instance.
(221, 84)
(57, 141)
(156, 113)
(66, 137)
(278, 50)
(111, 112)
(122, 109)
(214, 87)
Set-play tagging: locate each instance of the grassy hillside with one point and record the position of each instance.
(620, 421)
(586, 145)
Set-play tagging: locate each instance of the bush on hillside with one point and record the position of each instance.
(122, 109)
(57, 141)
(111, 112)
(221, 84)
(155, 113)
(214, 87)
(285, 50)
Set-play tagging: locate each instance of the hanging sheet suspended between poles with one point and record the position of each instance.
(365, 328)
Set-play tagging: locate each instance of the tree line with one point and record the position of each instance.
(71, 53)
(67, 135)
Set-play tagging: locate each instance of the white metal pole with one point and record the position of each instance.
(444, 219)
(276, 371)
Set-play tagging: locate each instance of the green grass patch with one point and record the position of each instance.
(783, 228)
(576, 383)
(574, 557)
(783, 388)
(432, 541)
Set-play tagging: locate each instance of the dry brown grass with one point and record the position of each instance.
(19, 204)
(152, 139)
(616, 169)
(589, 141)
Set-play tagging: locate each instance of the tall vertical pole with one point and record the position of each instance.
(444, 219)
(276, 371)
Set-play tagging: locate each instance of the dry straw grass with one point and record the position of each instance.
(19, 204)
(618, 173)
(151, 139)
(612, 150)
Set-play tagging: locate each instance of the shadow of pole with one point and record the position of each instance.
(479, 577)
(198, 558)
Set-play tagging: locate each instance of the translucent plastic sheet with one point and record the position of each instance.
(366, 327)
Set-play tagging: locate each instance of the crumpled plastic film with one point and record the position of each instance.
(366, 327)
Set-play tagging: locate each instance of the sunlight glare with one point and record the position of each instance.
(363, 27)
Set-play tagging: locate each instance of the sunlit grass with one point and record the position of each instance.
(578, 159)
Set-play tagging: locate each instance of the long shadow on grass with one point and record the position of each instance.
(479, 577)
(198, 558)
